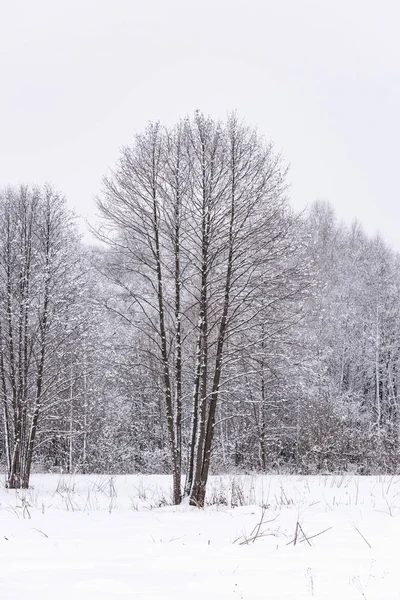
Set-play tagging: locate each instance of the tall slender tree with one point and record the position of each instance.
(193, 217)
(38, 290)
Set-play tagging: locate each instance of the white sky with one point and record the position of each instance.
(319, 77)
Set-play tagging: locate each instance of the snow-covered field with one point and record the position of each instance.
(101, 537)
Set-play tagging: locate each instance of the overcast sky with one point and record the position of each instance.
(321, 78)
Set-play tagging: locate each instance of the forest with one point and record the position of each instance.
(209, 328)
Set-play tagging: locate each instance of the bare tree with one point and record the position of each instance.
(248, 225)
(193, 217)
(38, 265)
(142, 206)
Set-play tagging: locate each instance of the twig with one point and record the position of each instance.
(363, 537)
(255, 532)
(42, 532)
(305, 537)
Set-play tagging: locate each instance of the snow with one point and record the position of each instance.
(107, 537)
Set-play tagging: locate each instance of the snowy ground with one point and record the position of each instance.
(94, 537)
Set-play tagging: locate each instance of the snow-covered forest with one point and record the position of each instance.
(199, 300)
(209, 328)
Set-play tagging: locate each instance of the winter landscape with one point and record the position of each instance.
(199, 307)
(260, 537)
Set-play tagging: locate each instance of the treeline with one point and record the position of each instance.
(211, 327)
